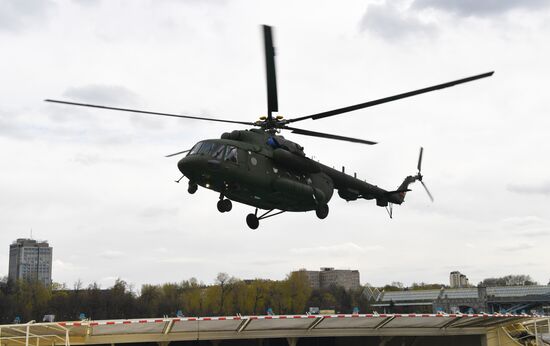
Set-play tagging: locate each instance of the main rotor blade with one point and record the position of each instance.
(271, 79)
(148, 112)
(328, 135)
(419, 166)
(427, 191)
(390, 98)
(178, 153)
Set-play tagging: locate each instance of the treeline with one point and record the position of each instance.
(509, 280)
(416, 286)
(228, 296)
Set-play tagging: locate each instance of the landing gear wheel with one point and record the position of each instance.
(192, 188)
(252, 221)
(224, 205)
(322, 211)
(227, 205)
(220, 206)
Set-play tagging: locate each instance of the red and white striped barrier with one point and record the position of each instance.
(276, 317)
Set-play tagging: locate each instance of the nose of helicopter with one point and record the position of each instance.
(190, 165)
(187, 164)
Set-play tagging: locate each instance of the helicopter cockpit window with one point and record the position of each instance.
(218, 152)
(195, 149)
(231, 154)
(205, 148)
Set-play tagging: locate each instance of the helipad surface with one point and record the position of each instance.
(250, 327)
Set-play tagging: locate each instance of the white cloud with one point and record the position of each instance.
(393, 21)
(485, 8)
(21, 15)
(342, 249)
(111, 254)
(161, 250)
(62, 265)
(536, 232)
(107, 281)
(175, 259)
(155, 212)
(516, 247)
(524, 221)
(542, 188)
(113, 95)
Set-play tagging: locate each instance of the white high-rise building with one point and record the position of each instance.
(30, 260)
(456, 280)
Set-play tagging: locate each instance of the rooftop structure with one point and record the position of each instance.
(502, 299)
(30, 260)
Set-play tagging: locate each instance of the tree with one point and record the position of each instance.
(193, 297)
(41, 296)
(276, 299)
(58, 304)
(343, 297)
(509, 280)
(328, 301)
(96, 305)
(225, 283)
(56, 286)
(149, 300)
(297, 291)
(170, 302)
(23, 300)
(394, 286)
(426, 286)
(258, 293)
(120, 300)
(240, 301)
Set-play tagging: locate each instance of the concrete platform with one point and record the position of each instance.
(342, 329)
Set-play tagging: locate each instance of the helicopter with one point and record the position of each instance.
(261, 168)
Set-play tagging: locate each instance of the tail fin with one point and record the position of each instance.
(398, 196)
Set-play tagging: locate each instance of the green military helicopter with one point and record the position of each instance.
(261, 168)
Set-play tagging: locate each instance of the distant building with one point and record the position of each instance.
(326, 277)
(458, 280)
(30, 260)
(314, 278)
(496, 299)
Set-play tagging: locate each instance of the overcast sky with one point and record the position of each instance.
(97, 186)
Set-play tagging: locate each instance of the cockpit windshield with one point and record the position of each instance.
(216, 150)
(205, 148)
(195, 149)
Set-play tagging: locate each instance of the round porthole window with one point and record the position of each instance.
(253, 161)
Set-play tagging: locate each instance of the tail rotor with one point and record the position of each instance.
(419, 174)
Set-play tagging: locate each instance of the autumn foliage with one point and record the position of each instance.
(227, 296)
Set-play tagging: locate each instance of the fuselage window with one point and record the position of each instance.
(231, 154)
(219, 152)
(195, 149)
